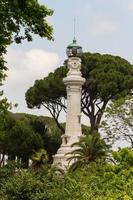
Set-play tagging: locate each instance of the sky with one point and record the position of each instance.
(102, 26)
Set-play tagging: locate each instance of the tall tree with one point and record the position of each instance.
(19, 20)
(118, 122)
(22, 135)
(6, 124)
(23, 142)
(50, 93)
(50, 134)
(107, 78)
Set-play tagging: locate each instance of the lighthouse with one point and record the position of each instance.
(73, 82)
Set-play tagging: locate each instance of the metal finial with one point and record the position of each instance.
(74, 39)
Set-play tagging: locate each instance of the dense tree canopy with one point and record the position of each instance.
(107, 78)
(22, 135)
(49, 92)
(19, 20)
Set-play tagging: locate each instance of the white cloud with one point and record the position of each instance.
(24, 68)
(30, 65)
(103, 27)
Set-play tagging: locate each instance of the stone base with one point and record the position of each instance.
(62, 156)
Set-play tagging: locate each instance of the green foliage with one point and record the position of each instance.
(108, 75)
(49, 133)
(6, 124)
(7, 171)
(89, 149)
(19, 20)
(22, 186)
(23, 141)
(96, 181)
(40, 160)
(22, 135)
(118, 122)
(18, 138)
(107, 78)
(47, 90)
(124, 157)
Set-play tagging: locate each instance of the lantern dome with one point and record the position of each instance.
(73, 49)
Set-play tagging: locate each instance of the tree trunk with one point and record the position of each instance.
(93, 125)
(2, 156)
(59, 126)
(11, 158)
(25, 162)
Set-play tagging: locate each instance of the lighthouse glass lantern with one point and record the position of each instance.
(74, 50)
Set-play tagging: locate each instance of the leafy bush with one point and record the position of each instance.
(97, 181)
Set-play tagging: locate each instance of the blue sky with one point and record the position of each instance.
(104, 26)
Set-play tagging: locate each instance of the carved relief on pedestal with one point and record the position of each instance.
(74, 66)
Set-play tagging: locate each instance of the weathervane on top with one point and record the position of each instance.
(73, 49)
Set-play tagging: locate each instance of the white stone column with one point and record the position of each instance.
(73, 82)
